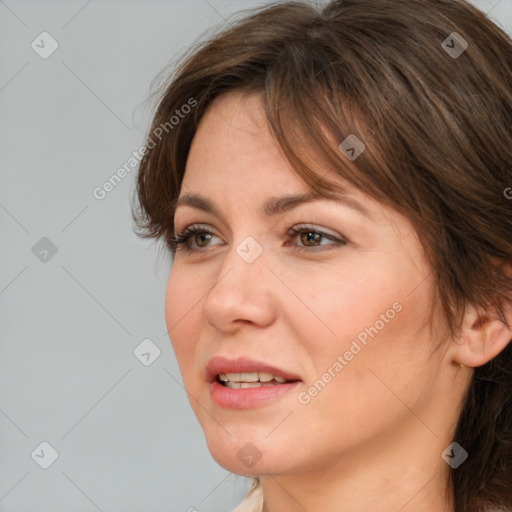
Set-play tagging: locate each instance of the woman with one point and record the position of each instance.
(334, 189)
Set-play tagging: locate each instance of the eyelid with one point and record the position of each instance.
(303, 226)
(191, 230)
(182, 237)
(290, 231)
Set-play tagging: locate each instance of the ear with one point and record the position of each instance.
(484, 335)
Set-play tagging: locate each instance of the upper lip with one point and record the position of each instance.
(221, 364)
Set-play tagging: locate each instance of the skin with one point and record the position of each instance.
(372, 439)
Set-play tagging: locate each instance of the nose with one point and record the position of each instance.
(241, 289)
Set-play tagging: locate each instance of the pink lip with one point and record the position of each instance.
(221, 364)
(248, 397)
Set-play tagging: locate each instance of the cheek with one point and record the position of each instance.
(182, 306)
(362, 304)
(376, 320)
(384, 339)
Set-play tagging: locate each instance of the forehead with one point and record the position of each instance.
(233, 151)
(236, 167)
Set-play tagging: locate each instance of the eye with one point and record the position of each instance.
(308, 235)
(183, 240)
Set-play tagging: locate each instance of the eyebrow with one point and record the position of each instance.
(274, 206)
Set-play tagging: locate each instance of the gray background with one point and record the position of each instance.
(125, 435)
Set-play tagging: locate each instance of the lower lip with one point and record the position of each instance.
(244, 398)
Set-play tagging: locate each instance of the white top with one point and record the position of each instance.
(253, 502)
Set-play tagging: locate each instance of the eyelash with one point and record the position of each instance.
(181, 240)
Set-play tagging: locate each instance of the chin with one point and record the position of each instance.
(244, 456)
(231, 463)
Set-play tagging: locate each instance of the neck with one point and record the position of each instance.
(400, 471)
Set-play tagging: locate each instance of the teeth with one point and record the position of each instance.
(233, 385)
(243, 385)
(250, 384)
(266, 377)
(249, 377)
(253, 379)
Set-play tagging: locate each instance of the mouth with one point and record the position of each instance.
(247, 380)
(245, 383)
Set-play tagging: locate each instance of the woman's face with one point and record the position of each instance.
(346, 319)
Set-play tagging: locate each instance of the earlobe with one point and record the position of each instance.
(483, 336)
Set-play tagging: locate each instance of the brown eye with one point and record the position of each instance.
(309, 238)
(197, 234)
(197, 238)
(202, 237)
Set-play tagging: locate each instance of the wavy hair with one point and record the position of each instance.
(434, 110)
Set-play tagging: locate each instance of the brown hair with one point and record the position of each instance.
(437, 129)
